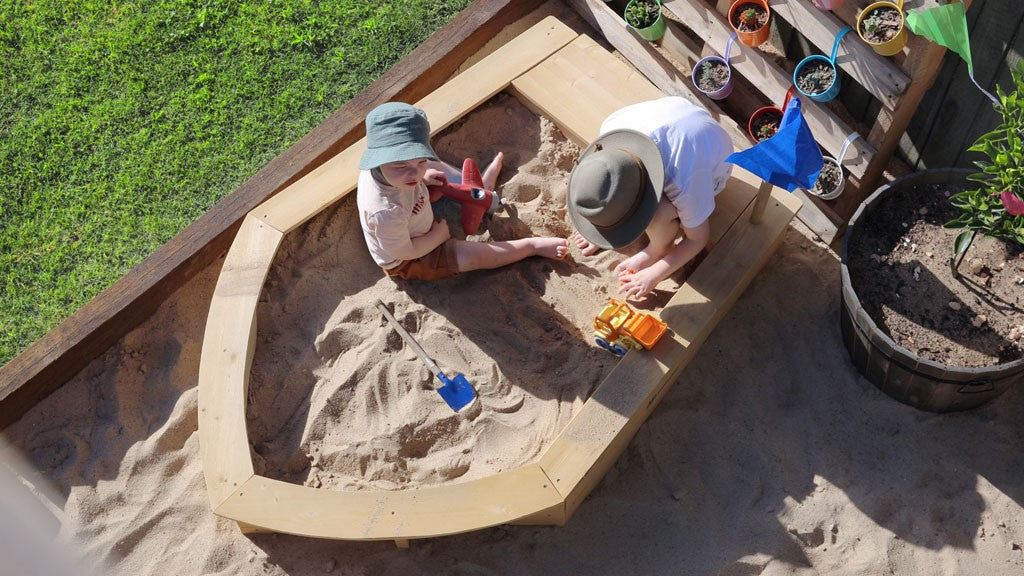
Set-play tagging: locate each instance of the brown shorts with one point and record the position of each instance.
(438, 263)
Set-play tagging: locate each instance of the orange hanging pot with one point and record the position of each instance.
(751, 19)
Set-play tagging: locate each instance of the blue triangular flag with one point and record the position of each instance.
(790, 159)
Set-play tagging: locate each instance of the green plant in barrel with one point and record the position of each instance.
(996, 209)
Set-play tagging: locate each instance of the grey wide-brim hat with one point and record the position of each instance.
(396, 132)
(615, 187)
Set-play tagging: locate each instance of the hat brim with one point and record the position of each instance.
(374, 157)
(644, 148)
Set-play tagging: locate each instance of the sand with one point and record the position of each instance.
(769, 455)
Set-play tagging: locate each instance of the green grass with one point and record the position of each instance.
(121, 123)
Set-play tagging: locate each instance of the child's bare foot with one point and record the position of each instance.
(554, 248)
(586, 248)
(490, 176)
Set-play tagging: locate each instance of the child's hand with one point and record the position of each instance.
(633, 284)
(440, 231)
(434, 177)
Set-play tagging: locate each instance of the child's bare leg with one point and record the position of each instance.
(661, 235)
(490, 175)
(487, 255)
(586, 248)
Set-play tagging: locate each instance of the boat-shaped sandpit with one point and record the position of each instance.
(570, 79)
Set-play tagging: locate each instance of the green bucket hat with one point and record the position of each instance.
(396, 132)
(615, 187)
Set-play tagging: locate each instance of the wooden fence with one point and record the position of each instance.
(955, 113)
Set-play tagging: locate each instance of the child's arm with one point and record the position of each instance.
(434, 177)
(451, 173)
(642, 282)
(394, 238)
(422, 245)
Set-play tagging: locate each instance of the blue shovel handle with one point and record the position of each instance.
(457, 392)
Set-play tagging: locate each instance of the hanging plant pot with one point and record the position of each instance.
(713, 76)
(827, 4)
(931, 384)
(817, 77)
(881, 25)
(764, 122)
(644, 17)
(751, 19)
(832, 180)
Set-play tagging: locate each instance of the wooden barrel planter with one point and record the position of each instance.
(919, 382)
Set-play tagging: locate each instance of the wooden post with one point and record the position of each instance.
(760, 202)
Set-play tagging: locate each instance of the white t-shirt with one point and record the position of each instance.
(693, 147)
(391, 218)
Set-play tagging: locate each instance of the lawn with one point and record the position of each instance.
(121, 123)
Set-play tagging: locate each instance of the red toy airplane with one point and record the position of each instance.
(476, 201)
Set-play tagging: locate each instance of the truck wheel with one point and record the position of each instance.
(603, 343)
(618, 350)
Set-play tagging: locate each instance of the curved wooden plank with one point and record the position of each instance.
(264, 503)
(228, 345)
(259, 503)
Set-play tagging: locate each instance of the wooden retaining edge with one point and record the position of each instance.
(61, 353)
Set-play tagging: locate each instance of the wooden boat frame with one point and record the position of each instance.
(539, 66)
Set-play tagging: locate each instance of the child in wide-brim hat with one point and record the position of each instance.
(395, 213)
(655, 170)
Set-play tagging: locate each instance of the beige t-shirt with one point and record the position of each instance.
(391, 218)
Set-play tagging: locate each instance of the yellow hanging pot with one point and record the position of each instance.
(865, 21)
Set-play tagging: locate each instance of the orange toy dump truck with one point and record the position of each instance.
(618, 328)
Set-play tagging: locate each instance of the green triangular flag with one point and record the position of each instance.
(946, 25)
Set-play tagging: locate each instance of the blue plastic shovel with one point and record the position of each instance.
(457, 392)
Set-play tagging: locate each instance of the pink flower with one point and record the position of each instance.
(1013, 204)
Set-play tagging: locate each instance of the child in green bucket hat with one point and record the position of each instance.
(397, 220)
